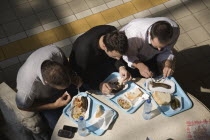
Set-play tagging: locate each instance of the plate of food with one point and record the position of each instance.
(124, 103)
(136, 96)
(131, 94)
(94, 110)
(164, 85)
(117, 86)
(80, 106)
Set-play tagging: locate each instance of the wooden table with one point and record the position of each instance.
(134, 127)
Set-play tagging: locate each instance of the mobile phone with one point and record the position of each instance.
(70, 128)
(65, 133)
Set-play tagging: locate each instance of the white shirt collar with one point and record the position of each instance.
(149, 36)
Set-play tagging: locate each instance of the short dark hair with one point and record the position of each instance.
(116, 41)
(162, 30)
(55, 73)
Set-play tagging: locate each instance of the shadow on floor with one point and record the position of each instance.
(193, 72)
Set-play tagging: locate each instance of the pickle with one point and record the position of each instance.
(160, 85)
(175, 103)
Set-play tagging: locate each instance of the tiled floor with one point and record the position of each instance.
(26, 25)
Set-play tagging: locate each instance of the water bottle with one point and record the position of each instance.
(82, 130)
(147, 109)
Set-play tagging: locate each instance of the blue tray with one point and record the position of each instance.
(131, 85)
(186, 102)
(93, 105)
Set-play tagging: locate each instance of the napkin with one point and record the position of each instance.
(103, 121)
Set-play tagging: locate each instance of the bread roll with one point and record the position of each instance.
(162, 98)
(134, 94)
(99, 111)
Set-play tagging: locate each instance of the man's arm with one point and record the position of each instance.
(60, 102)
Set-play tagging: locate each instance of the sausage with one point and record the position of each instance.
(154, 85)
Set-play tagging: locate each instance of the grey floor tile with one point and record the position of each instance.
(46, 16)
(189, 23)
(207, 27)
(23, 57)
(114, 3)
(11, 72)
(39, 5)
(179, 11)
(2, 33)
(17, 2)
(84, 14)
(4, 41)
(34, 31)
(4, 5)
(99, 8)
(78, 6)
(12, 28)
(125, 20)
(184, 42)
(164, 13)
(207, 3)
(172, 3)
(195, 5)
(198, 35)
(23, 10)
(62, 11)
(2, 77)
(8, 62)
(30, 22)
(157, 9)
(203, 16)
(54, 3)
(145, 13)
(7, 16)
(94, 3)
(107, 1)
(17, 36)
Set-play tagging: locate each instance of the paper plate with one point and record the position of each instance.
(88, 109)
(161, 89)
(181, 104)
(125, 99)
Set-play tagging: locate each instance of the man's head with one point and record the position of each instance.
(115, 44)
(161, 34)
(55, 75)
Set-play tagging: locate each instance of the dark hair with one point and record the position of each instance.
(162, 30)
(55, 73)
(116, 41)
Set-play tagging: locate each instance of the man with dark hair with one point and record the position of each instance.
(42, 82)
(95, 53)
(151, 41)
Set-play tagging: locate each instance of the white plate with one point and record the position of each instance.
(161, 89)
(88, 109)
(124, 98)
(180, 100)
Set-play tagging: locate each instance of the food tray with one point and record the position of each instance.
(93, 107)
(130, 86)
(185, 105)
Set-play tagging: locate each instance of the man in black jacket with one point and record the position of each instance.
(96, 54)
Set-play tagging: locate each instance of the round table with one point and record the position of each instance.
(134, 127)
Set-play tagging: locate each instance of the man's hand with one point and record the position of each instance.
(144, 70)
(124, 74)
(168, 68)
(63, 100)
(105, 88)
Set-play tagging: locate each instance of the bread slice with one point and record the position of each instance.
(99, 111)
(132, 95)
(162, 98)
